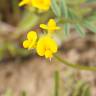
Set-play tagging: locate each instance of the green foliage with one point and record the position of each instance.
(28, 21)
(69, 86)
(76, 15)
(65, 14)
(81, 89)
(80, 29)
(55, 8)
(89, 26)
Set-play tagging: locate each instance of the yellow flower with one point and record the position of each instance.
(31, 40)
(46, 46)
(41, 4)
(24, 2)
(51, 26)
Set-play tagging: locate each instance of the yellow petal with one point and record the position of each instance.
(51, 23)
(23, 2)
(43, 26)
(48, 54)
(41, 4)
(52, 29)
(32, 35)
(26, 44)
(32, 45)
(52, 45)
(40, 47)
(57, 28)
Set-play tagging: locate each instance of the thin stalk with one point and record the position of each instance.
(78, 66)
(56, 80)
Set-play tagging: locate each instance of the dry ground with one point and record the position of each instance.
(35, 75)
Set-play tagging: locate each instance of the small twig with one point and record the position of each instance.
(78, 66)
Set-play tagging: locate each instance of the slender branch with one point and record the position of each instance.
(56, 80)
(75, 65)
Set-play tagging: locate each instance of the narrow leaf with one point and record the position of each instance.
(55, 8)
(66, 29)
(28, 21)
(90, 26)
(77, 88)
(80, 29)
(64, 10)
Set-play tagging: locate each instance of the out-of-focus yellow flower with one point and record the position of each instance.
(30, 43)
(25, 2)
(46, 46)
(41, 4)
(51, 26)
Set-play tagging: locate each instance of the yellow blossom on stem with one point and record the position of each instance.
(51, 26)
(46, 46)
(30, 42)
(25, 2)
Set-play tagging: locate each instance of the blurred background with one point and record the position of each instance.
(23, 73)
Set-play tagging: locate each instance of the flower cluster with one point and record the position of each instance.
(45, 45)
(40, 4)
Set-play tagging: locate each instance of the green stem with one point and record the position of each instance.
(78, 66)
(56, 80)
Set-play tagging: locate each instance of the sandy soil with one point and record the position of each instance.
(35, 75)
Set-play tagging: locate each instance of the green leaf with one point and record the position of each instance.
(78, 25)
(66, 29)
(28, 21)
(64, 10)
(81, 89)
(76, 91)
(90, 26)
(80, 29)
(55, 8)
